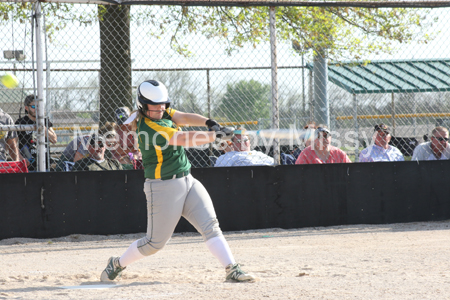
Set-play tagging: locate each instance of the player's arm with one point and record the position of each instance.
(13, 149)
(197, 138)
(181, 118)
(192, 138)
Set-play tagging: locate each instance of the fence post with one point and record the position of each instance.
(48, 104)
(393, 113)
(355, 116)
(208, 91)
(40, 91)
(275, 113)
(303, 83)
(311, 96)
(321, 109)
(413, 96)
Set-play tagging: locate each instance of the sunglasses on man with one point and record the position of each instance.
(97, 145)
(32, 106)
(245, 139)
(325, 132)
(441, 139)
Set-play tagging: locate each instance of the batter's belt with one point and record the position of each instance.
(179, 175)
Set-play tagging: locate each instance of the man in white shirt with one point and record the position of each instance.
(381, 150)
(436, 149)
(242, 155)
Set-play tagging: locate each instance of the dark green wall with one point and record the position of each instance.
(244, 197)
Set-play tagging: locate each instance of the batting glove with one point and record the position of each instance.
(213, 125)
(222, 133)
(225, 133)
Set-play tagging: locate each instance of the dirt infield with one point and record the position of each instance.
(398, 261)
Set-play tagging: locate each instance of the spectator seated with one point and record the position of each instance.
(242, 155)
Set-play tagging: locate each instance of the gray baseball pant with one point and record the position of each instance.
(167, 201)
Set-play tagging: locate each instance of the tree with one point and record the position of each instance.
(115, 60)
(115, 45)
(58, 15)
(245, 101)
(346, 32)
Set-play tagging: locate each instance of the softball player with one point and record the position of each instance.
(170, 189)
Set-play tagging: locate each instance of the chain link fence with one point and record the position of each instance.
(216, 61)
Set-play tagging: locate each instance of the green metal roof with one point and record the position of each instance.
(391, 76)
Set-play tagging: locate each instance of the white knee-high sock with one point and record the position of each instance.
(131, 255)
(220, 249)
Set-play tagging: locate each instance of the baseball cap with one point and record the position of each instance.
(239, 130)
(122, 114)
(382, 127)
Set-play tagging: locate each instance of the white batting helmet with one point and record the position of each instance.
(152, 92)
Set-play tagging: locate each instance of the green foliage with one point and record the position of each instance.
(17, 11)
(245, 101)
(346, 32)
(58, 15)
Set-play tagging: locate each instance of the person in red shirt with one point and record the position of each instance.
(321, 152)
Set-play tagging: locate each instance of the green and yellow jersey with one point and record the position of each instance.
(158, 157)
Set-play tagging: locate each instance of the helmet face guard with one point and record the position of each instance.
(152, 92)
